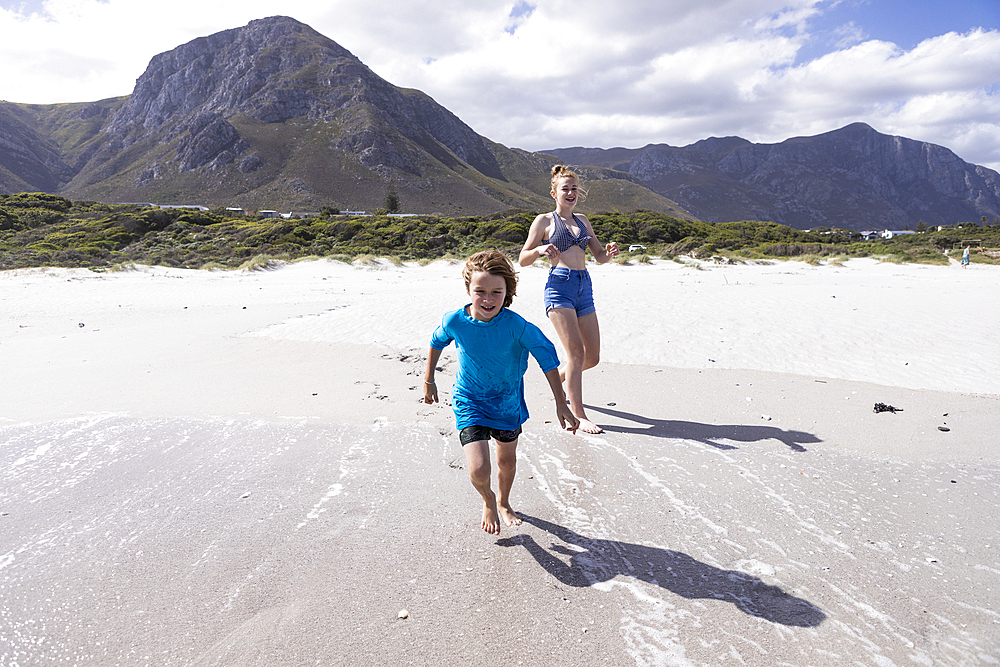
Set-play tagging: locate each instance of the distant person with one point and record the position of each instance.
(488, 393)
(564, 237)
(965, 257)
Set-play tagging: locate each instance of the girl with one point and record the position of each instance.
(564, 238)
(488, 393)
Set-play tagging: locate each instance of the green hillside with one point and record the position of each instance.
(46, 230)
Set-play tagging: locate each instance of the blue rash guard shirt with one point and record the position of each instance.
(492, 359)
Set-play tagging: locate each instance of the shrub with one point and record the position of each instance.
(512, 231)
(8, 220)
(36, 200)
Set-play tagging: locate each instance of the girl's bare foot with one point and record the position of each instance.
(510, 517)
(491, 522)
(588, 426)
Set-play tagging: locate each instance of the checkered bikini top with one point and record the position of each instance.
(563, 239)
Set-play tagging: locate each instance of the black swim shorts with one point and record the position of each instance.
(474, 433)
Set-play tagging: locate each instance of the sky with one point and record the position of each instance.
(543, 74)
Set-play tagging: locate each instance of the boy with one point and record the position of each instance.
(488, 393)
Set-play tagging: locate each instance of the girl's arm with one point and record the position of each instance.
(602, 254)
(430, 389)
(532, 249)
(563, 413)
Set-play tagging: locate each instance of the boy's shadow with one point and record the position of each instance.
(707, 433)
(603, 560)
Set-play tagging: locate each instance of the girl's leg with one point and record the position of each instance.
(506, 469)
(590, 331)
(477, 457)
(581, 339)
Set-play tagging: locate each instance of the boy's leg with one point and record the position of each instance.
(477, 457)
(506, 469)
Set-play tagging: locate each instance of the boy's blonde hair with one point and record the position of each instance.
(495, 263)
(562, 171)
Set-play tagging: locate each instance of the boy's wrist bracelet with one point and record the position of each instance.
(426, 382)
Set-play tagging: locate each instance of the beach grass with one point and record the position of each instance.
(122, 267)
(257, 263)
(214, 266)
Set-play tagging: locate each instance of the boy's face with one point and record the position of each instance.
(488, 293)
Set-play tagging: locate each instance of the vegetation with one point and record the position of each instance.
(391, 204)
(39, 229)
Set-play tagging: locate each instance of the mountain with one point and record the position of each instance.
(852, 178)
(275, 115)
(28, 160)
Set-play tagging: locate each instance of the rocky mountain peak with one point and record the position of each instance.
(259, 69)
(276, 69)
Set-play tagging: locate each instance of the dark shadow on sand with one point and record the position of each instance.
(706, 433)
(603, 560)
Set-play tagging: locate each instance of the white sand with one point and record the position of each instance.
(234, 468)
(908, 326)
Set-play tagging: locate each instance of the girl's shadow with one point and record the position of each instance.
(603, 560)
(707, 433)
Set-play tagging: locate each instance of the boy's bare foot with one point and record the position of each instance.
(509, 516)
(588, 426)
(491, 522)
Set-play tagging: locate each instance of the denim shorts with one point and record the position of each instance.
(568, 288)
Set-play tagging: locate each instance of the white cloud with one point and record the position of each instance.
(848, 35)
(540, 75)
(934, 93)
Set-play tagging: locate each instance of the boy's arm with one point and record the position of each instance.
(563, 413)
(430, 389)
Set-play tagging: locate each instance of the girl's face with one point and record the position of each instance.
(566, 191)
(488, 293)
